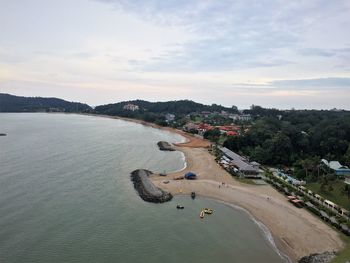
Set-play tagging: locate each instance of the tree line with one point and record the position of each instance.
(296, 138)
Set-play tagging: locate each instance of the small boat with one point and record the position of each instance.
(208, 211)
(180, 207)
(201, 215)
(193, 195)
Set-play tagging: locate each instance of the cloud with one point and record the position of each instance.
(235, 35)
(317, 83)
(298, 85)
(214, 51)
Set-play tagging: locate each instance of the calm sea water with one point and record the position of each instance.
(66, 196)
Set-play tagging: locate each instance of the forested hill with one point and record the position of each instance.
(11, 103)
(174, 107)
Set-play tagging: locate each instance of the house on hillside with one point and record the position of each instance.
(229, 130)
(240, 117)
(231, 133)
(131, 107)
(339, 169)
(203, 127)
(190, 127)
(169, 117)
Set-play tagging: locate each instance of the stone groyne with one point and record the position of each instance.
(318, 258)
(165, 146)
(146, 189)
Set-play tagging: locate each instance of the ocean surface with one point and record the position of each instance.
(66, 196)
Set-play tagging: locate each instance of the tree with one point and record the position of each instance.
(212, 135)
(347, 156)
(346, 190)
(330, 188)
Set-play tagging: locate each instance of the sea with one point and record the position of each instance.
(66, 196)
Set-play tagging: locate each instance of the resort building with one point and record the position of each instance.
(131, 107)
(339, 169)
(239, 164)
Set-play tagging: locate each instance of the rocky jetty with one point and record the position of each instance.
(318, 258)
(146, 189)
(165, 146)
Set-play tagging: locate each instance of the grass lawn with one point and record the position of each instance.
(335, 196)
(345, 254)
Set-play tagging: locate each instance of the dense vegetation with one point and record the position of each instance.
(155, 111)
(298, 138)
(10, 103)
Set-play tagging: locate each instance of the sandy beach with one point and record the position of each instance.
(296, 232)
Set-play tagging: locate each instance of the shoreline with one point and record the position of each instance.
(314, 236)
(303, 234)
(189, 140)
(264, 229)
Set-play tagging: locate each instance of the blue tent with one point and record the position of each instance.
(190, 176)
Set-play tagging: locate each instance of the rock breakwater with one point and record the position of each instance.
(165, 146)
(146, 189)
(318, 258)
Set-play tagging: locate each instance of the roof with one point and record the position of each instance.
(238, 160)
(333, 220)
(324, 214)
(334, 165)
(344, 227)
(309, 204)
(254, 163)
(232, 133)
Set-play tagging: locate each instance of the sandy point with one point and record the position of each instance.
(296, 232)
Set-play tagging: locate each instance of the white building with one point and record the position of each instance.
(240, 117)
(169, 117)
(131, 107)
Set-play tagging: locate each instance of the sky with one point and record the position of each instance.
(273, 53)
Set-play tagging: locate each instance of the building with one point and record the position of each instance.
(339, 169)
(190, 127)
(131, 107)
(229, 130)
(240, 117)
(169, 117)
(231, 133)
(203, 127)
(240, 164)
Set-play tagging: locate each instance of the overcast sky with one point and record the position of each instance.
(271, 53)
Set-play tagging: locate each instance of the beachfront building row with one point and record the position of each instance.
(238, 164)
(228, 130)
